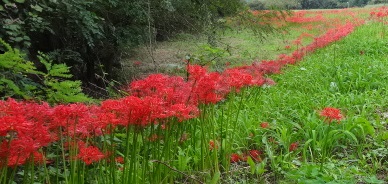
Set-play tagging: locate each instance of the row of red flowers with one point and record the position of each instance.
(27, 127)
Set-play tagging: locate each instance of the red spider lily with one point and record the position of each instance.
(330, 114)
(207, 89)
(77, 120)
(213, 145)
(293, 146)
(299, 18)
(182, 111)
(264, 125)
(196, 72)
(133, 110)
(39, 158)
(236, 78)
(255, 155)
(90, 154)
(172, 90)
(235, 158)
(380, 12)
(270, 67)
(119, 160)
(25, 131)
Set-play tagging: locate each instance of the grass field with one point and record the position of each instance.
(349, 75)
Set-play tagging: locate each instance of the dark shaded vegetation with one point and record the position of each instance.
(90, 36)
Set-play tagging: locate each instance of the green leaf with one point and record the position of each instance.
(18, 39)
(374, 180)
(19, 1)
(12, 86)
(368, 127)
(37, 8)
(252, 165)
(1, 8)
(383, 136)
(351, 135)
(215, 178)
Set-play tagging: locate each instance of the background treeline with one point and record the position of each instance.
(90, 36)
(309, 4)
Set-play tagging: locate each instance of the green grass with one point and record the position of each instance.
(336, 76)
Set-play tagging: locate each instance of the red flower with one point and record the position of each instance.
(235, 158)
(255, 155)
(119, 160)
(264, 125)
(90, 154)
(293, 146)
(213, 145)
(330, 114)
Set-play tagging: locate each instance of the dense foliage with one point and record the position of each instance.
(89, 35)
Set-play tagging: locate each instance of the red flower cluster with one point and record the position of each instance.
(330, 114)
(90, 154)
(299, 17)
(264, 125)
(380, 12)
(23, 132)
(235, 158)
(254, 154)
(293, 146)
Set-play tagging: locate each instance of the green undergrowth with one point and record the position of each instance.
(350, 75)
